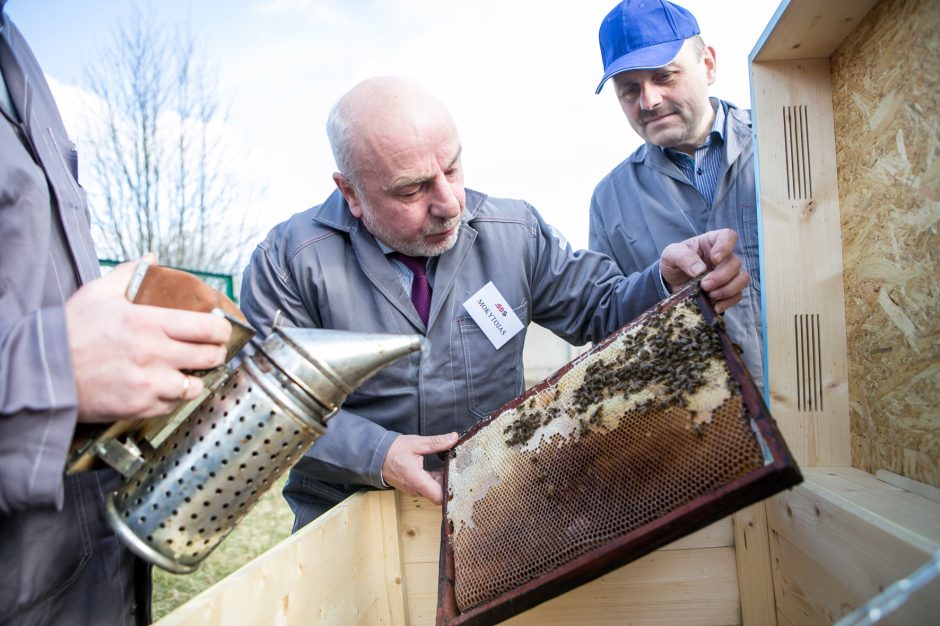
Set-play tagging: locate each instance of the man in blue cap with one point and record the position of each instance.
(695, 172)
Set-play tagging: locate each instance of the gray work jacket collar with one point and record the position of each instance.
(335, 214)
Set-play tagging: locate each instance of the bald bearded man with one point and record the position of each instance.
(402, 246)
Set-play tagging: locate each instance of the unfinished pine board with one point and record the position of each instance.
(783, 621)
(752, 558)
(807, 592)
(419, 524)
(903, 482)
(705, 597)
(419, 528)
(718, 534)
(328, 572)
(841, 537)
(386, 555)
(422, 592)
(683, 587)
(809, 29)
(675, 587)
(802, 259)
(886, 104)
(899, 509)
(373, 559)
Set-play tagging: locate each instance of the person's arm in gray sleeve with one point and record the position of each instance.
(353, 448)
(582, 295)
(598, 236)
(352, 451)
(268, 293)
(38, 409)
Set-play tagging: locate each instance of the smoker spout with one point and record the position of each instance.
(332, 363)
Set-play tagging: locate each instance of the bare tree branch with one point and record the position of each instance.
(158, 159)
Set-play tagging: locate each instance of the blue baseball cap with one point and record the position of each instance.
(643, 35)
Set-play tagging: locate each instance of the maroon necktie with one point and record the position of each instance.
(420, 287)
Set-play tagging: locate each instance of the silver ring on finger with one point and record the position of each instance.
(185, 390)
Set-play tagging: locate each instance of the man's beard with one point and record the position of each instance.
(420, 247)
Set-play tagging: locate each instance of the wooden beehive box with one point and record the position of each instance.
(846, 103)
(845, 94)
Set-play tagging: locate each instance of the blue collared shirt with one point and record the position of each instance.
(703, 171)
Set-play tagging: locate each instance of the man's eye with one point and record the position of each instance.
(410, 191)
(665, 77)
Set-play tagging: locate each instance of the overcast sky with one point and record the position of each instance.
(519, 76)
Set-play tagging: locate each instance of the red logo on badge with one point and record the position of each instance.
(501, 309)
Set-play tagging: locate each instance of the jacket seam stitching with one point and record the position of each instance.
(307, 243)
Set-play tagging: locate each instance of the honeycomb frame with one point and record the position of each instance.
(675, 368)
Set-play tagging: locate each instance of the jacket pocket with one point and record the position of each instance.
(494, 377)
(44, 551)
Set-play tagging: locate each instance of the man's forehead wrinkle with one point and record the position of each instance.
(375, 145)
(414, 171)
(408, 155)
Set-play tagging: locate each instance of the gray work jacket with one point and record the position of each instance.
(646, 203)
(322, 268)
(62, 563)
(46, 252)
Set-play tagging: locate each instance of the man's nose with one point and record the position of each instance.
(445, 201)
(650, 97)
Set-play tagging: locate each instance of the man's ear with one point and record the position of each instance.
(711, 64)
(349, 192)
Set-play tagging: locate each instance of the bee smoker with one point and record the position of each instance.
(193, 474)
(206, 475)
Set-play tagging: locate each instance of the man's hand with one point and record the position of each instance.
(127, 357)
(404, 465)
(712, 252)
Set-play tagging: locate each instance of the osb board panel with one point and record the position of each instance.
(886, 104)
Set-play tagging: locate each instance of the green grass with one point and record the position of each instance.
(266, 524)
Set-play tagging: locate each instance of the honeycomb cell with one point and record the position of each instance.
(641, 425)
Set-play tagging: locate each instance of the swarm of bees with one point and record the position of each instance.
(667, 357)
(522, 429)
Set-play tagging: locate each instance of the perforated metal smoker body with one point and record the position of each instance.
(652, 434)
(212, 470)
(260, 417)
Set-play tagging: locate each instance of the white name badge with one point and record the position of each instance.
(493, 315)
